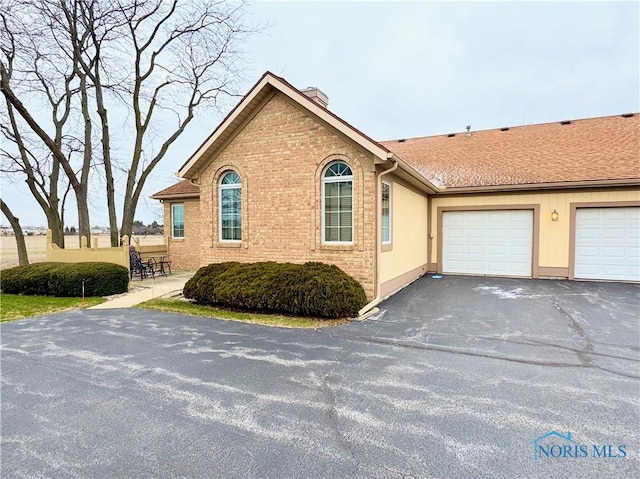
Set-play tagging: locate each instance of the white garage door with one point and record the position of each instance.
(608, 243)
(487, 242)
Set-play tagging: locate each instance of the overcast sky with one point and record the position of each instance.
(401, 70)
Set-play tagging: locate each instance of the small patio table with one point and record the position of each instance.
(161, 263)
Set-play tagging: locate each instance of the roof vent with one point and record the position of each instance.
(626, 115)
(402, 141)
(566, 122)
(317, 95)
(504, 129)
(468, 133)
(451, 135)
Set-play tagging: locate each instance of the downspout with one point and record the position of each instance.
(378, 293)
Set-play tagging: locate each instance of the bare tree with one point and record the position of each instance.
(128, 74)
(42, 146)
(23, 258)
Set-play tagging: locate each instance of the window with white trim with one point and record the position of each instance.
(177, 221)
(337, 204)
(230, 195)
(386, 213)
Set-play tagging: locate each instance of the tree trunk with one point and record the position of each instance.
(54, 223)
(84, 228)
(128, 213)
(111, 206)
(23, 258)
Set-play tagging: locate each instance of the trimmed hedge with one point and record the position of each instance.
(310, 289)
(65, 279)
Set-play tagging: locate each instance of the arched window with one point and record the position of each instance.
(230, 207)
(337, 204)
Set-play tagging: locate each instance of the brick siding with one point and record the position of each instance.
(184, 252)
(280, 155)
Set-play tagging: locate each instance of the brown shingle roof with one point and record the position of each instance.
(594, 149)
(182, 189)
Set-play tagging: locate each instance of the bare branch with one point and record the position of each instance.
(117, 81)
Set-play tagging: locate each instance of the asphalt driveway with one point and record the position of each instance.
(454, 378)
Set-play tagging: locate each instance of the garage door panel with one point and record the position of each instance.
(455, 234)
(496, 242)
(607, 243)
(615, 271)
(589, 214)
(588, 232)
(613, 252)
(495, 234)
(614, 234)
(614, 214)
(475, 250)
(472, 267)
(455, 265)
(518, 250)
(475, 233)
(587, 251)
(452, 220)
(497, 268)
(520, 235)
(478, 219)
(632, 253)
(516, 218)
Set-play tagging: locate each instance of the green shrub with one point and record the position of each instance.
(201, 285)
(65, 279)
(310, 289)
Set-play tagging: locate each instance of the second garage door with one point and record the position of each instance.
(607, 242)
(496, 242)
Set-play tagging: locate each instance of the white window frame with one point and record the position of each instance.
(390, 240)
(230, 186)
(173, 229)
(336, 179)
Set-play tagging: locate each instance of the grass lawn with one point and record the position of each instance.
(15, 306)
(185, 307)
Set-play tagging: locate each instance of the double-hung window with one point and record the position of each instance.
(337, 204)
(177, 221)
(386, 213)
(230, 201)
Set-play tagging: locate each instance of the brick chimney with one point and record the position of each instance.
(317, 95)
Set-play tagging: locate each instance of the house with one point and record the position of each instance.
(282, 178)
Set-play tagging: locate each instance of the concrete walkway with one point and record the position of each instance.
(141, 291)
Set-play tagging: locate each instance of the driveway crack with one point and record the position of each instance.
(331, 401)
(587, 349)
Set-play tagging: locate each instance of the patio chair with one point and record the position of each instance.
(137, 267)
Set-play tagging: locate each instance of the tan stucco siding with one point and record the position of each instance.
(554, 236)
(184, 252)
(280, 155)
(409, 235)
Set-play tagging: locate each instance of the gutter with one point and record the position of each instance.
(179, 196)
(378, 293)
(559, 185)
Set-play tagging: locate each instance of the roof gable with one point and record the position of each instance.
(251, 103)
